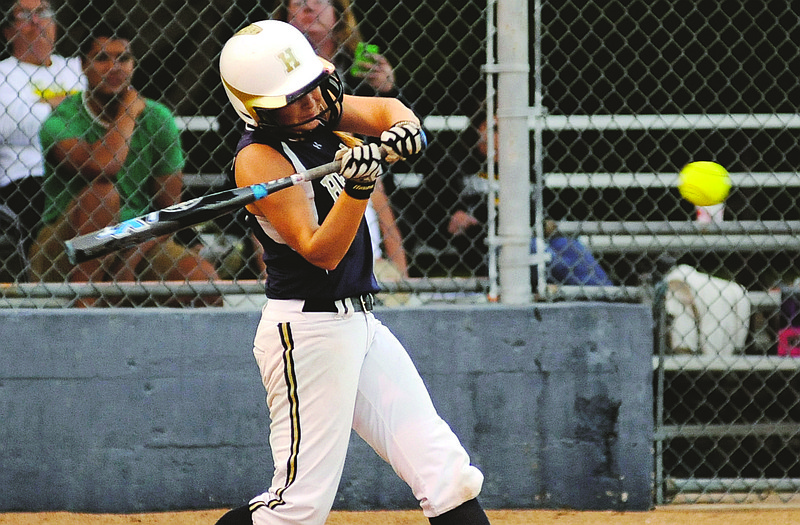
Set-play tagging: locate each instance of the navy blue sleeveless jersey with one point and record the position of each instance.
(289, 275)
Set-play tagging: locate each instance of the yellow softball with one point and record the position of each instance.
(704, 183)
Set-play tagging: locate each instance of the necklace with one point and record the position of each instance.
(95, 118)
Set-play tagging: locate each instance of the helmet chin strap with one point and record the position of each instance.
(301, 134)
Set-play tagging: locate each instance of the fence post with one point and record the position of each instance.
(513, 151)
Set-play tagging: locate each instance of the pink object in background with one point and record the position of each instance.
(789, 341)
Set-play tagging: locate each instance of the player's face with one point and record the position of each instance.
(109, 66)
(302, 112)
(314, 18)
(33, 28)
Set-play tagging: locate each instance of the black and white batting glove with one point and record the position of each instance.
(361, 166)
(403, 140)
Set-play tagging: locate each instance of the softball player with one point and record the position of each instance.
(328, 365)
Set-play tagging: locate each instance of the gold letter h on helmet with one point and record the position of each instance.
(289, 60)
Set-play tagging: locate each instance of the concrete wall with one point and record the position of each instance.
(139, 410)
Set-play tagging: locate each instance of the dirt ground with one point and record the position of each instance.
(673, 515)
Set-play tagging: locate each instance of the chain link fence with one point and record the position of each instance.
(629, 93)
(435, 51)
(633, 91)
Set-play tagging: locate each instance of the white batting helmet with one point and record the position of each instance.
(270, 64)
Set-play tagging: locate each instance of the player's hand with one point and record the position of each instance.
(404, 139)
(361, 166)
(362, 163)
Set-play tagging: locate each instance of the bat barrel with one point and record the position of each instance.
(169, 220)
(179, 216)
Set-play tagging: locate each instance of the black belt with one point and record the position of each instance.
(358, 303)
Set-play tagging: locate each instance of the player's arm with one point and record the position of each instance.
(397, 126)
(372, 116)
(289, 211)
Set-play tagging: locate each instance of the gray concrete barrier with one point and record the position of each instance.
(113, 410)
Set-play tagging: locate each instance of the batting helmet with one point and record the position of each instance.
(270, 64)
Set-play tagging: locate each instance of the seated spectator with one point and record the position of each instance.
(111, 155)
(33, 80)
(332, 29)
(454, 197)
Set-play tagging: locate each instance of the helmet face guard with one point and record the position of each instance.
(332, 91)
(269, 65)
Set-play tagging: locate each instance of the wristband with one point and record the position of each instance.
(401, 123)
(360, 190)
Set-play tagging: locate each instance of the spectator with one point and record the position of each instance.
(458, 217)
(111, 155)
(332, 29)
(33, 80)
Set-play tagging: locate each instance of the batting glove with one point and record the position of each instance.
(404, 139)
(361, 166)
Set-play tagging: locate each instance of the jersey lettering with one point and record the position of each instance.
(334, 183)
